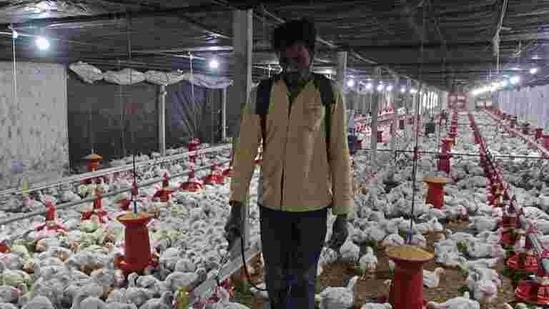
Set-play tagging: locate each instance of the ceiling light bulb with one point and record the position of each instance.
(351, 83)
(369, 86)
(402, 89)
(14, 34)
(379, 87)
(214, 64)
(389, 88)
(42, 43)
(533, 71)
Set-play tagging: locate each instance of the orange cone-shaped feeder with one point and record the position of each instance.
(535, 291)
(215, 177)
(51, 223)
(193, 184)
(137, 248)
(93, 160)
(97, 209)
(446, 145)
(435, 190)
(193, 145)
(407, 285)
(165, 192)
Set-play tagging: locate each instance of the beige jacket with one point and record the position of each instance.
(296, 174)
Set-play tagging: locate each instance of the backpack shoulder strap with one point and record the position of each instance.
(324, 86)
(262, 102)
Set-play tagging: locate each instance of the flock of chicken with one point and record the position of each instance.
(75, 269)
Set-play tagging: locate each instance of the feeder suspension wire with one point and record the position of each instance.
(416, 141)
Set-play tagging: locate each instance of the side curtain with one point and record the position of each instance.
(192, 111)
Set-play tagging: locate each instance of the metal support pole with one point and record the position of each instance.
(341, 69)
(224, 115)
(376, 97)
(162, 119)
(242, 84)
(394, 127)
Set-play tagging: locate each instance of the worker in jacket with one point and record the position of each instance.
(303, 172)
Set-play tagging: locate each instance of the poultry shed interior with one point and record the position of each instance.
(118, 120)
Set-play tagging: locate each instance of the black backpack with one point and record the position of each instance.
(263, 99)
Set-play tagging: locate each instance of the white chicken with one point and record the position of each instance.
(431, 279)
(368, 262)
(338, 297)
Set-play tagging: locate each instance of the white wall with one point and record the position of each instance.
(33, 129)
(529, 104)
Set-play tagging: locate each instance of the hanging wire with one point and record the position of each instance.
(416, 138)
(122, 105)
(193, 103)
(16, 104)
(90, 128)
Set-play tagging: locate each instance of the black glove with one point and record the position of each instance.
(339, 233)
(233, 227)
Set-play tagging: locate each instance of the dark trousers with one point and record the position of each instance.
(291, 243)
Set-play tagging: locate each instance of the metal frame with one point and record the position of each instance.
(112, 170)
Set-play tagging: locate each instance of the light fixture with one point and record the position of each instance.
(504, 83)
(533, 71)
(413, 90)
(536, 57)
(402, 89)
(42, 43)
(214, 64)
(380, 87)
(350, 83)
(14, 34)
(389, 87)
(515, 80)
(369, 86)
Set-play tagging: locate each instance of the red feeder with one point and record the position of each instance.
(4, 247)
(215, 177)
(444, 162)
(51, 223)
(97, 209)
(137, 247)
(379, 136)
(538, 134)
(545, 141)
(535, 291)
(407, 284)
(435, 191)
(192, 184)
(193, 145)
(164, 193)
(446, 145)
(93, 161)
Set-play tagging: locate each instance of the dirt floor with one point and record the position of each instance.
(375, 287)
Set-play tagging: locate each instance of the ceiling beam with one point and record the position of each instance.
(115, 16)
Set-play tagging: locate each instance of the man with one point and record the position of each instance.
(305, 168)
